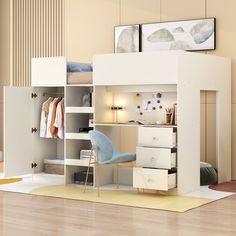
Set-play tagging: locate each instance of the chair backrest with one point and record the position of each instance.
(103, 144)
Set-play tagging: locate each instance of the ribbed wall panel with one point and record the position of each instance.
(37, 32)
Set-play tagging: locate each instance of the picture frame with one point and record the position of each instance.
(127, 38)
(189, 35)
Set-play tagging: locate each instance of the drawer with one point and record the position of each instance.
(153, 179)
(155, 158)
(157, 137)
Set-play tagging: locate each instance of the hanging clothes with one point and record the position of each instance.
(53, 129)
(52, 118)
(44, 117)
(59, 120)
(48, 133)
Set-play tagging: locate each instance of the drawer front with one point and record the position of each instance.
(153, 179)
(155, 158)
(156, 137)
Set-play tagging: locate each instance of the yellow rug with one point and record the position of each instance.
(10, 181)
(125, 198)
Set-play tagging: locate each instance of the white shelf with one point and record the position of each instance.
(79, 85)
(78, 162)
(79, 109)
(80, 136)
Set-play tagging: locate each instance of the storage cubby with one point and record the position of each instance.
(76, 121)
(71, 170)
(77, 115)
(73, 148)
(75, 94)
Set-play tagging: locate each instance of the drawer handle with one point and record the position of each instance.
(153, 158)
(155, 139)
(149, 180)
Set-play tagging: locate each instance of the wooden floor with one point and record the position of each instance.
(28, 215)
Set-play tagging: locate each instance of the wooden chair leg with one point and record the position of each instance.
(86, 179)
(97, 175)
(117, 176)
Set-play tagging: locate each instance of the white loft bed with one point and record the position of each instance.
(187, 74)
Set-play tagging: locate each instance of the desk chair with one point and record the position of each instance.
(106, 154)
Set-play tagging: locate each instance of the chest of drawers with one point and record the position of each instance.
(156, 155)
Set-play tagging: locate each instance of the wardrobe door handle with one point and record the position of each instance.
(34, 165)
(33, 130)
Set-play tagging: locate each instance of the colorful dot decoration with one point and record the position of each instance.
(157, 96)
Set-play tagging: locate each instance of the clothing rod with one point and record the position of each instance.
(44, 94)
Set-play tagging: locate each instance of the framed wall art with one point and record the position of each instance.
(190, 35)
(127, 38)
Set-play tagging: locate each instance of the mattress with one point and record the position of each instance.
(79, 78)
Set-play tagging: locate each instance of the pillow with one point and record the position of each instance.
(78, 67)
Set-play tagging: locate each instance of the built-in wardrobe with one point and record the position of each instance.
(24, 150)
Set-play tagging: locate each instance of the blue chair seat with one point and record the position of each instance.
(119, 157)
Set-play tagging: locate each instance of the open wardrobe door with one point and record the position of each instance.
(18, 137)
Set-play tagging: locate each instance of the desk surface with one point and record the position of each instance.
(135, 125)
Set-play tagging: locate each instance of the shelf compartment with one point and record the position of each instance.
(75, 121)
(78, 162)
(79, 136)
(79, 109)
(75, 94)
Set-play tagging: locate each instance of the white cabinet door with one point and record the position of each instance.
(18, 139)
(49, 72)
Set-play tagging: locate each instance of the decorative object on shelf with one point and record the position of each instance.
(116, 109)
(86, 100)
(174, 115)
(127, 38)
(191, 35)
(85, 130)
(86, 153)
(91, 123)
(168, 115)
